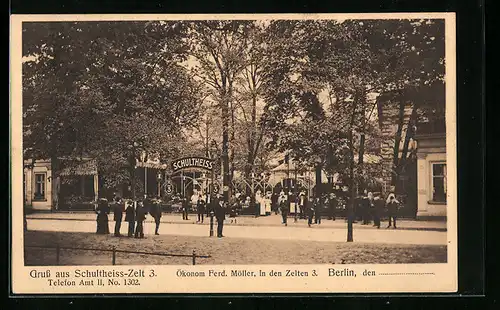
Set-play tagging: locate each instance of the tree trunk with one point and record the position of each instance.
(409, 132)
(352, 190)
(318, 171)
(247, 175)
(403, 162)
(232, 167)
(362, 139)
(252, 147)
(55, 184)
(225, 147)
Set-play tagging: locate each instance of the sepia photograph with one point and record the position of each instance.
(253, 140)
(234, 142)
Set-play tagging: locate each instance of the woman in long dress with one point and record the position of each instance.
(102, 211)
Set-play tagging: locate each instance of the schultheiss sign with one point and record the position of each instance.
(192, 162)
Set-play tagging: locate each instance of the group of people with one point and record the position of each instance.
(135, 215)
(201, 209)
(307, 208)
(136, 211)
(215, 207)
(369, 207)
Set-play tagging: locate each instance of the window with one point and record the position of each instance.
(39, 186)
(439, 182)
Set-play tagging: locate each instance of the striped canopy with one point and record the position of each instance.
(86, 167)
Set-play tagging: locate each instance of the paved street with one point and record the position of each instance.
(232, 251)
(328, 232)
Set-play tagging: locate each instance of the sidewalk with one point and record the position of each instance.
(303, 233)
(267, 221)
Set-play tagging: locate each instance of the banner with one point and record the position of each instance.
(192, 162)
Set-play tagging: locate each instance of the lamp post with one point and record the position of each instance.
(295, 192)
(158, 178)
(182, 184)
(133, 165)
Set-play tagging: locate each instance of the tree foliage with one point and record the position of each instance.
(100, 89)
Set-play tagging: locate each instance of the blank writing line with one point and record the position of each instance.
(406, 274)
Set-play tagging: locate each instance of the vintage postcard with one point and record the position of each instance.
(282, 153)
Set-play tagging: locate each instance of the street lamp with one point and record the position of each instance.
(158, 178)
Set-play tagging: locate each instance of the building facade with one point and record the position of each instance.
(76, 185)
(37, 187)
(431, 174)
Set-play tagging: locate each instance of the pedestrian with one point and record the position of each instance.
(118, 209)
(358, 209)
(332, 205)
(377, 210)
(185, 208)
(274, 203)
(284, 209)
(317, 210)
(220, 214)
(302, 202)
(371, 207)
(365, 203)
(130, 218)
(392, 209)
(233, 207)
(156, 213)
(214, 204)
(140, 217)
(257, 205)
(148, 203)
(102, 211)
(309, 207)
(200, 208)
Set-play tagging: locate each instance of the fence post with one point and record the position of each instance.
(58, 250)
(194, 257)
(114, 256)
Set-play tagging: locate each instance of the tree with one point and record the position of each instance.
(412, 84)
(349, 61)
(108, 90)
(248, 105)
(218, 48)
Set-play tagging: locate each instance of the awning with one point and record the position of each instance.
(284, 167)
(87, 167)
(151, 165)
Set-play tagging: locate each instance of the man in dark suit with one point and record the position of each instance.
(185, 208)
(155, 211)
(118, 209)
(200, 207)
(220, 214)
(140, 216)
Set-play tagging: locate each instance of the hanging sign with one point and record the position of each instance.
(215, 189)
(192, 162)
(169, 189)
